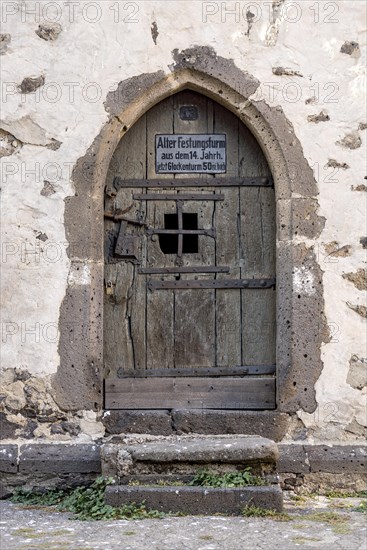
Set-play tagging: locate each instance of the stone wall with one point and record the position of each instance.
(60, 62)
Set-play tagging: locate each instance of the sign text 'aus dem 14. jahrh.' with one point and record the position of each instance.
(190, 153)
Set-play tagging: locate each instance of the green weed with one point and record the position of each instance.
(244, 478)
(49, 498)
(87, 503)
(362, 507)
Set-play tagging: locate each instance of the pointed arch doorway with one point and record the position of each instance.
(189, 306)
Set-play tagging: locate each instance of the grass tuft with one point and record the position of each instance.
(332, 518)
(255, 512)
(345, 494)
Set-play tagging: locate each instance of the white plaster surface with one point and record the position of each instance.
(88, 60)
(303, 281)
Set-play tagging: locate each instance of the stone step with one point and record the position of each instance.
(157, 470)
(197, 500)
(186, 454)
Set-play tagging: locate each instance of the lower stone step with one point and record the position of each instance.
(197, 500)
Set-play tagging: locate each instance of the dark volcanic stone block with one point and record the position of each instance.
(196, 500)
(8, 459)
(272, 425)
(337, 458)
(7, 429)
(292, 459)
(60, 459)
(138, 422)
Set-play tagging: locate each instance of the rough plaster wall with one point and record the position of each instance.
(300, 67)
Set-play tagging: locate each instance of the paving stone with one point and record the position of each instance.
(33, 529)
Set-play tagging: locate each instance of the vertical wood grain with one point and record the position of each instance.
(228, 302)
(160, 305)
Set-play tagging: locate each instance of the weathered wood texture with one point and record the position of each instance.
(228, 302)
(197, 181)
(124, 309)
(200, 371)
(195, 311)
(190, 393)
(160, 343)
(199, 328)
(257, 238)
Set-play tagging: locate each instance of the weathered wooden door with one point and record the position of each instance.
(189, 313)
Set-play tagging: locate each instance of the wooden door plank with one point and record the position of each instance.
(160, 309)
(228, 303)
(138, 299)
(252, 161)
(195, 311)
(257, 207)
(268, 217)
(118, 352)
(197, 393)
(258, 310)
(202, 125)
(258, 232)
(205, 209)
(160, 338)
(124, 313)
(133, 159)
(194, 328)
(257, 211)
(258, 306)
(159, 119)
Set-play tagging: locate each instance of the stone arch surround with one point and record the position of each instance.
(301, 324)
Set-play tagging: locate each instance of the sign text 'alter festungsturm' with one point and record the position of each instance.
(190, 153)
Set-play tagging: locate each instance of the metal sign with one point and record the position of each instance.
(190, 153)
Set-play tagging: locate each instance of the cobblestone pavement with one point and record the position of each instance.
(24, 528)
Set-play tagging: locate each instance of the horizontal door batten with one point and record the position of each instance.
(255, 181)
(178, 197)
(251, 370)
(178, 269)
(211, 283)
